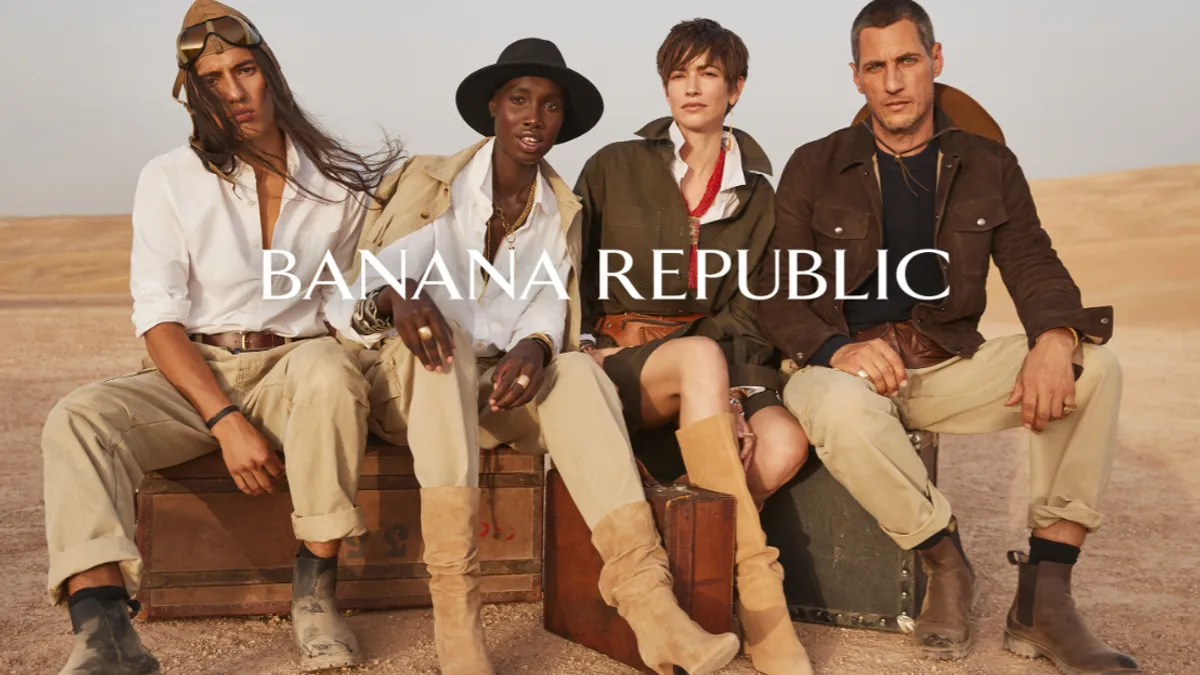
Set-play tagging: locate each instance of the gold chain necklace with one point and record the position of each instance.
(510, 232)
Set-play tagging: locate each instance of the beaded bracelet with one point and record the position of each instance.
(366, 319)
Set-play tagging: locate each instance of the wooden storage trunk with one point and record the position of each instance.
(211, 550)
(840, 568)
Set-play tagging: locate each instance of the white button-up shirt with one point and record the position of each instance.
(726, 201)
(498, 320)
(197, 256)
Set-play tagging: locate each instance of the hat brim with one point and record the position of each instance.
(584, 105)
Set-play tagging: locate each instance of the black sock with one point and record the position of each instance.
(305, 553)
(1051, 551)
(933, 541)
(101, 593)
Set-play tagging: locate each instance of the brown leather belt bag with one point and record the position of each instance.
(244, 342)
(915, 348)
(633, 329)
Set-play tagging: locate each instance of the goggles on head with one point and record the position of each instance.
(233, 30)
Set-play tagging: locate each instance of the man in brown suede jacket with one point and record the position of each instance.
(882, 348)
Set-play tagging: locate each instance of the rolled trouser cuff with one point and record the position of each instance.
(83, 557)
(329, 527)
(937, 520)
(1042, 515)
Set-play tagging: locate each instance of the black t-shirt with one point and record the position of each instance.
(908, 222)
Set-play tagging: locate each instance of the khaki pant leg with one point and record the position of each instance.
(861, 440)
(97, 444)
(434, 414)
(577, 414)
(1070, 461)
(309, 398)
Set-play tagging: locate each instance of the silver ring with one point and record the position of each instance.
(522, 381)
(863, 374)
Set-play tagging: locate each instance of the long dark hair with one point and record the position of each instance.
(217, 142)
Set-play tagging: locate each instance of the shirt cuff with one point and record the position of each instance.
(827, 350)
(147, 315)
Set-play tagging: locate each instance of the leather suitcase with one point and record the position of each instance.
(840, 568)
(211, 550)
(697, 528)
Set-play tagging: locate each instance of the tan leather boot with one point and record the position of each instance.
(1043, 621)
(636, 580)
(710, 452)
(448, 526)
(943, 626)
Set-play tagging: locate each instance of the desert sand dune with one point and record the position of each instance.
(1130, 239)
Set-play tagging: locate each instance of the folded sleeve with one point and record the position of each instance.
(158, 263)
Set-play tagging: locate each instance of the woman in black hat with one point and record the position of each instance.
(498, 336)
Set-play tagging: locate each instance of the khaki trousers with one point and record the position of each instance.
(861, 438)
(444, 418)
(308, 398)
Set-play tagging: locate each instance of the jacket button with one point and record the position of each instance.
(425, 214)
(837, 230)
(981, 222)
(799, 356)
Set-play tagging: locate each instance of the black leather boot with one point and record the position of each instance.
(105, 640)
(321, 632)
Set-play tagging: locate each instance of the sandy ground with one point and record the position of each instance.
(1130, 239)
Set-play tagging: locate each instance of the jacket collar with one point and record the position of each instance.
(753, 157)
(444, 170)
(861, 148)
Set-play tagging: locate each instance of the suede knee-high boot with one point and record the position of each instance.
(710, 453)
(448, 525)
(636, 580)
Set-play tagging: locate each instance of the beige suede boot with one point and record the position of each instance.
(710, 452)
(448, 524)
(636, 580)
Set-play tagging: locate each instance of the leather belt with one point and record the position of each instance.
(916, 349)
(239, 341)
(633, 329)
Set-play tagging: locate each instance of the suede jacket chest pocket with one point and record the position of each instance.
(837, 229)
(972, 226)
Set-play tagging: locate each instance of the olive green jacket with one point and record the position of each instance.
(632, 202)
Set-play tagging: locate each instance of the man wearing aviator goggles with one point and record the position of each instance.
(227, 370)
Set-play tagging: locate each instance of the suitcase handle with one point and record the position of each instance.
(648, 481)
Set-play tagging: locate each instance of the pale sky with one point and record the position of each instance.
(1079, 86)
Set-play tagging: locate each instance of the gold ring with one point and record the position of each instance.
(425, 332)
(522, 381)
(862, 372)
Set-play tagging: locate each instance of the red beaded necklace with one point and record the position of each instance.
(695, 214)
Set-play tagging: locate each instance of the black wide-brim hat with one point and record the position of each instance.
(539, 58)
